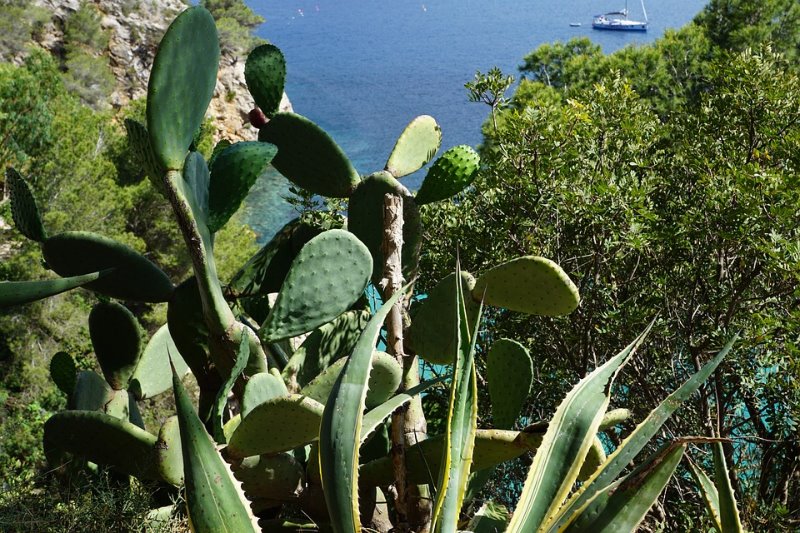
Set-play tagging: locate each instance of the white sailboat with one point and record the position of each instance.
(619, 21)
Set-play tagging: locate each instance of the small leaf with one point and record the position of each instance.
(24, 210)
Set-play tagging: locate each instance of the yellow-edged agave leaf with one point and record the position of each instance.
(462, 421)
(635, 442)
(708, 491)
(623, 505)
(569, 436)
(728, 511)
(340, 430)
(214, 499)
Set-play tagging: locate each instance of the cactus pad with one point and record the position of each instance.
(529, 284)
(265, 271)
(323, 346)
(308, 157)
(91, 393)
(415, 147)
(365, 220)
(432, 331)
(24, 210)
(260, 388)
(139, 142)
(233, 173)
(594, 458)
(265, 74)
(169, 452)
(509, 371)
(492, 447)
(152, 375)
(384, 379)
(187, 326)
(614, 417)
(298, 418)
(328, 275)
(450, 174)
(23, 292)
(274, 477)
(134, 277)
(117, 342)
(181, 84)
(63, 372)
(102, 439)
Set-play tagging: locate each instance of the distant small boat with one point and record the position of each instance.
(575, 24)
(619, 21)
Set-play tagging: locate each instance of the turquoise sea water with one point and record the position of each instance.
(362, 69)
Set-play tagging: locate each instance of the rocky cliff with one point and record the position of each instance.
(135, 27)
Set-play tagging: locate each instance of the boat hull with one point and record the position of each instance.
(620, 27)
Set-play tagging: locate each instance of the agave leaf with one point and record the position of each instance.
(708, 491)
(728, 511)
(214, 500)
(638, 439)
(23, 292)
(340, 431)
(569, 436)
(462, 421)
(624, 504)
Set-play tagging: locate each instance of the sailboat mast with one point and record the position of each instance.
(644, 11)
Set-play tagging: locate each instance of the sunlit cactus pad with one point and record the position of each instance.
(298, 418)
(450, 174)
(528, 284)
(134, 276)
(181, 84)
(384, 379)
(260, 388)
(308, 157)
(327, 277)
(416, 146)
(152, 375)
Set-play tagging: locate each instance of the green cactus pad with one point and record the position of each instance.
(260, 388)
(450, 174)
(102, 439)
(169, 452)
(594, 458)
(220, 147)
(234, 172)
(509, 372)
(308, 157)
(265, 74)
(528, 284)
(492, 447)
(22, 292)
(415, 147)
(117, 341)
(384, 379)
(63, 372)
(24, 210)
(91, 393)
(195, 186)
(274, 477)
(432, 331)
(181, 85)
(134, 277)
(265, 271)
(152, 375)
(323, 346)
(298, 418)
(365, 220)
(139, 142)
(328, 276)
(614, 417)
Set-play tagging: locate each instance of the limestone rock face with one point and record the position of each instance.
(135, 28)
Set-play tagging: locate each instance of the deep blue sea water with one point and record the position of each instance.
(362, 69)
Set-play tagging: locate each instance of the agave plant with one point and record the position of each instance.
(294, 394)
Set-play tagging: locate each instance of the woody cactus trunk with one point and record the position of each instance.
(290, 430)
